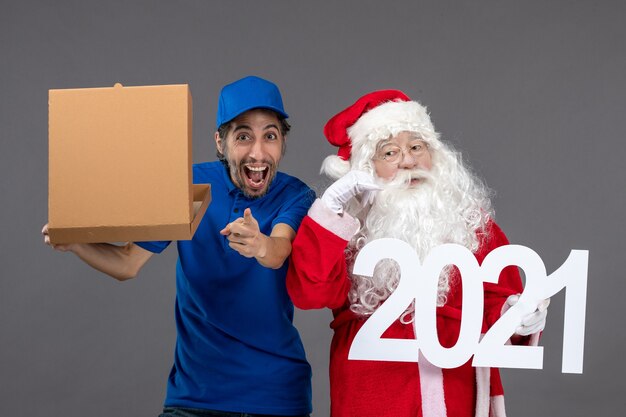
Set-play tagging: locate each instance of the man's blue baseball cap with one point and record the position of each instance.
(247, 94)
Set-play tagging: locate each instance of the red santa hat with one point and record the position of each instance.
(375, 116)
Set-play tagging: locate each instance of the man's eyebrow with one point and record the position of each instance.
(245, 126)
(240, 127)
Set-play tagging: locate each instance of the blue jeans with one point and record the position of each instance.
(194, 412)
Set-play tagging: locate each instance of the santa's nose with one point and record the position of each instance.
(408, 161)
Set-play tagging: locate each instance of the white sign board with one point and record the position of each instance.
(418, 282)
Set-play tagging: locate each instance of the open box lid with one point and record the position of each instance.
(120, 165)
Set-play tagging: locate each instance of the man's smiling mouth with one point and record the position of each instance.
(255, 175)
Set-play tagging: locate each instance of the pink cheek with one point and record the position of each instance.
(426, 163)
(387, 173)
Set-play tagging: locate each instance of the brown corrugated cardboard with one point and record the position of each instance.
(120, 165)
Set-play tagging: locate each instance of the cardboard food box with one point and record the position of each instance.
(120, 165)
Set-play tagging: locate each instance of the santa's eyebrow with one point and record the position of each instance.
(384, 143)
(417, 136)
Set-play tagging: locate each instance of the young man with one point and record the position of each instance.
(397, 179)
(236, 349)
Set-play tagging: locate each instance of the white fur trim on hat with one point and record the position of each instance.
(388, 120)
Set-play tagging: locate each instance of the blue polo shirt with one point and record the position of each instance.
(236, 347)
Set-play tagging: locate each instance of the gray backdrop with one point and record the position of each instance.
(532, 92)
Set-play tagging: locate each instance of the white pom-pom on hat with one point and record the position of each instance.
(335, 167)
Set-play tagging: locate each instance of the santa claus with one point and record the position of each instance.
(395, 178)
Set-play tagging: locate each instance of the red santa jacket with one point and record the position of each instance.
(318, 277)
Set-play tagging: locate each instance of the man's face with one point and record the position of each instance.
(405, 151)
(253, 148)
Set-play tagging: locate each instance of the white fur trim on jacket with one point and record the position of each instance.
(431, 385)
(344, 226)
(497, 406)
(483, 378)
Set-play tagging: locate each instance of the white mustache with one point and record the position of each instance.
(403, 178)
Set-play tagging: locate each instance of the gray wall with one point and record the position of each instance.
(532, 92)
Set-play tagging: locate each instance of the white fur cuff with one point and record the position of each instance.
(344, 226)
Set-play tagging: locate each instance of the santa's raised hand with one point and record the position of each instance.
(354, 183)
(245, 237)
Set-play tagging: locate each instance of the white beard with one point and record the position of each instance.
(424, 215)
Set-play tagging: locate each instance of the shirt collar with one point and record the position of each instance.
(230, 186)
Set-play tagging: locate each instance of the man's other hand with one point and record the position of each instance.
(63, 247)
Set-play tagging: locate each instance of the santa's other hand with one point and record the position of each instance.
(533, 322)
